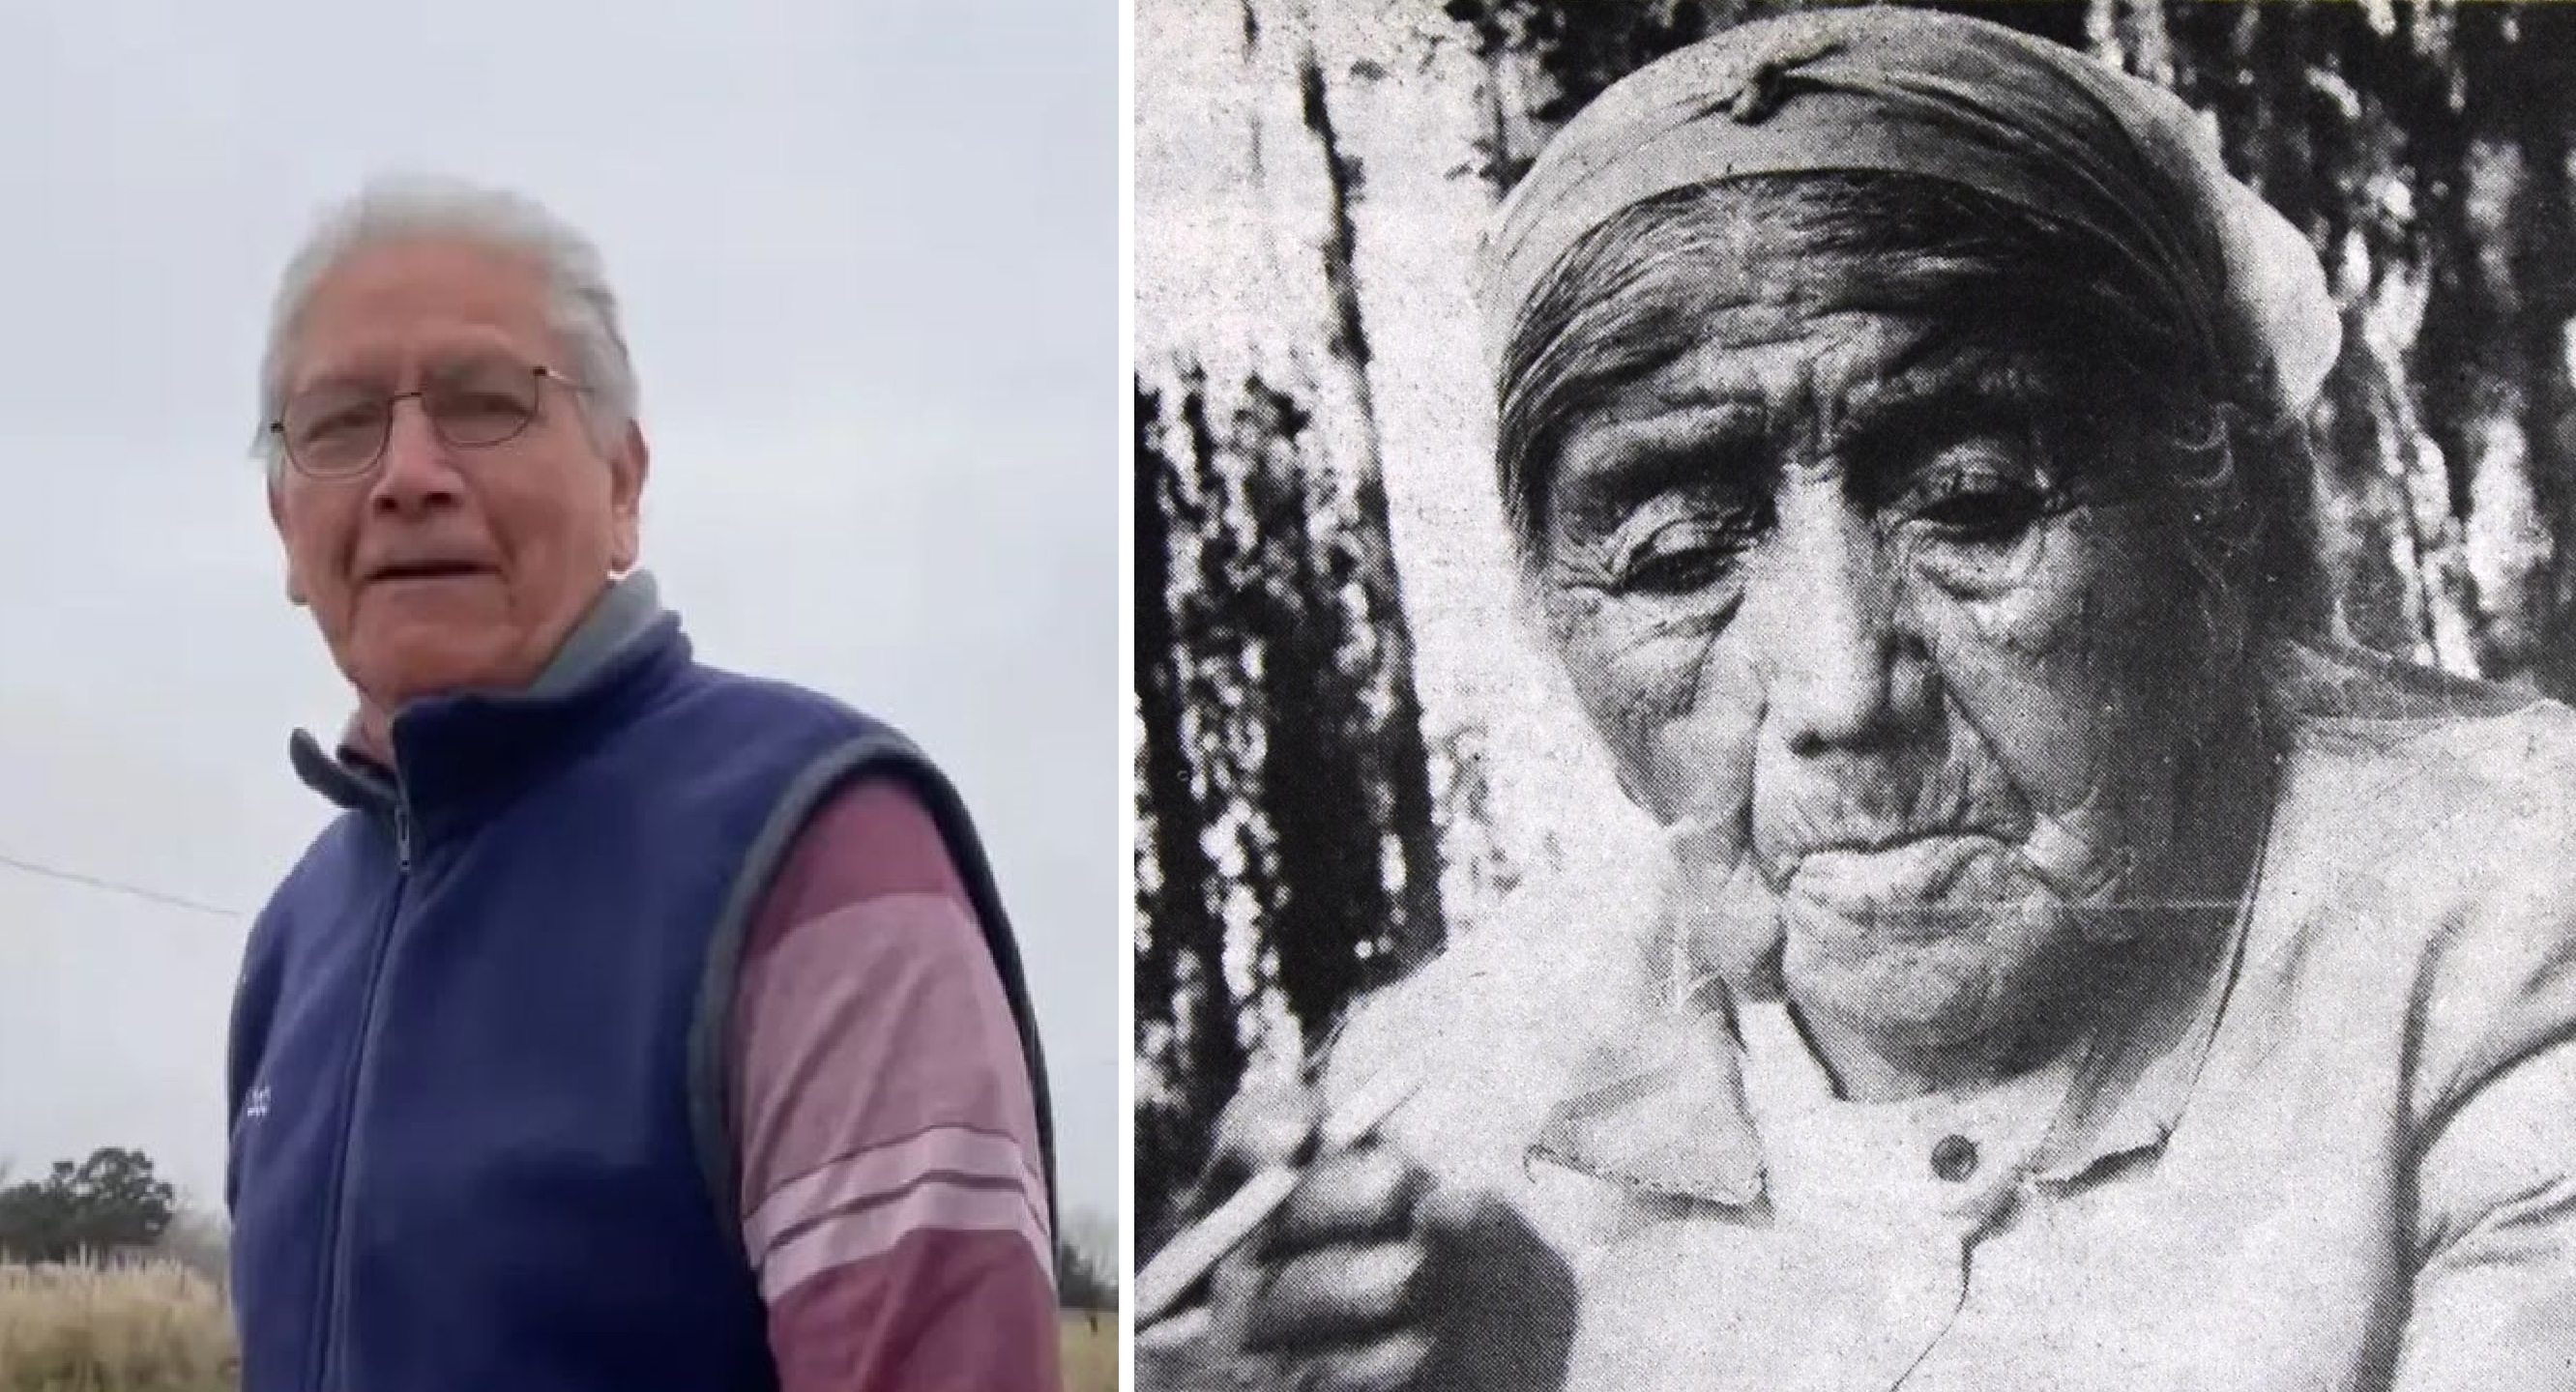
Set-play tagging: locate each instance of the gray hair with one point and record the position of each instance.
(581, 308)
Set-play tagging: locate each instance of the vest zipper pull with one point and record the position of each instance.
(402, 835)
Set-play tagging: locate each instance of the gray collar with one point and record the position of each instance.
(618, 617)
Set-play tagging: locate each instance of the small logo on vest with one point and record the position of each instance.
(257, 1104)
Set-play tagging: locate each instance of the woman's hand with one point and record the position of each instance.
(1371, 1276)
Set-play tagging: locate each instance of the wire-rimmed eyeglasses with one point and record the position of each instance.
(339, 430)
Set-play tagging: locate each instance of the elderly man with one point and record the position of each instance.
(2063, 969)
(635, 1024)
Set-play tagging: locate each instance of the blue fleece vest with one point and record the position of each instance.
(476, 1075)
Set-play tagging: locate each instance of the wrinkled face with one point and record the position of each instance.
(447, 568)
(1890, 641)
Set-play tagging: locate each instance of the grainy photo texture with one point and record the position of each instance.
(1853, 698)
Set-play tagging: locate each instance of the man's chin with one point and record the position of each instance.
(395, 674)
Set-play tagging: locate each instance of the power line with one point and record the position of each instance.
(130, 890)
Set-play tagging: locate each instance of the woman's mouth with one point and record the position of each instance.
(1938, 873)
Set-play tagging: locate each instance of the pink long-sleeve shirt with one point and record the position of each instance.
(893, 1201)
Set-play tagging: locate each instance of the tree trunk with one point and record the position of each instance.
(1288, 851)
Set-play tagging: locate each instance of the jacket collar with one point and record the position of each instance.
(1673, 1120)
(453, 752)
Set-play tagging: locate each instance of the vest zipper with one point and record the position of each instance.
(331, 1332)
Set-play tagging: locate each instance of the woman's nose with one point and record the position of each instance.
(1843, 669)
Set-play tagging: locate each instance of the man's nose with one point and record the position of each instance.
(418, 469)
(1846, 670)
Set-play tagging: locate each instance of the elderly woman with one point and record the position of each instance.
(2062, 972)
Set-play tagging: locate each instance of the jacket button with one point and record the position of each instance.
(1954, 1158)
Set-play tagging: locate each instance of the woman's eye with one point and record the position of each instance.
(1685, 556)
(1978, 507)
(1674, 571)
(1986, 514)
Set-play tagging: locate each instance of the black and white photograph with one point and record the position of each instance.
(1854, 696)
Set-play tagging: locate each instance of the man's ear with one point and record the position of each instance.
(629, 466)
(295, 594)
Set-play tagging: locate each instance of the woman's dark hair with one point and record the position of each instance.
(1639, 290)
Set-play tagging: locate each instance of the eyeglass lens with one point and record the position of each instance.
(341, 427)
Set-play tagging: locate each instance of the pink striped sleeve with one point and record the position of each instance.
(890, 1184)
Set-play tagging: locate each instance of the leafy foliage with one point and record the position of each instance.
(109, 1203)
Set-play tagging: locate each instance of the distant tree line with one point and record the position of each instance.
(1084, 1280)
(109, 1205)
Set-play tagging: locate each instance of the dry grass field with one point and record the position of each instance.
(1090, 1352)
(152, 1328)
(162, 1328)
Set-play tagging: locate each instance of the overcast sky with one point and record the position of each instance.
(869, 256)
